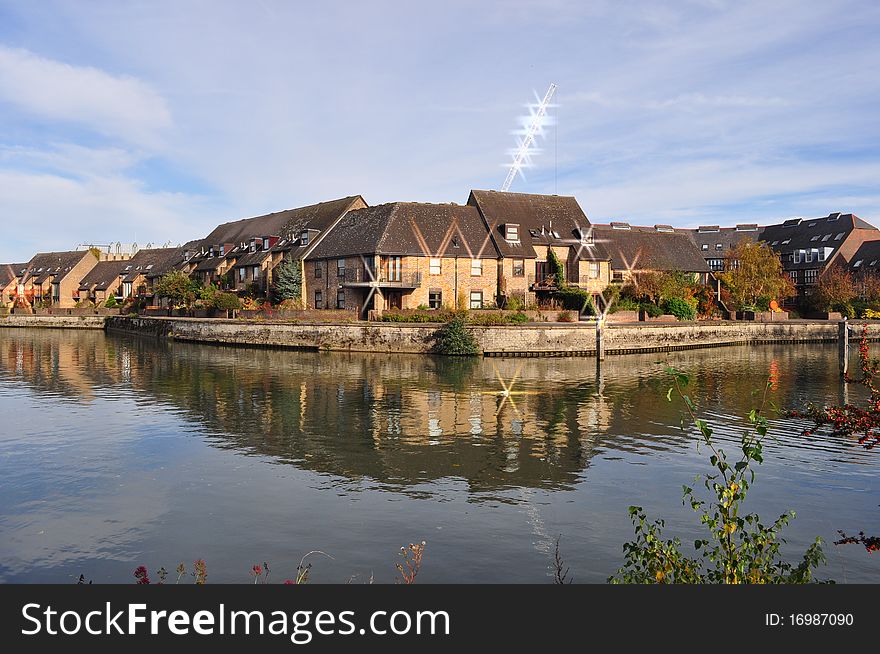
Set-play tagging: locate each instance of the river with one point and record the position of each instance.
(118, 451)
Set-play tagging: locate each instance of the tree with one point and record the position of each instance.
(226, 302)
(288, 280)
(836, 290)
(178, 288)
(754, 273)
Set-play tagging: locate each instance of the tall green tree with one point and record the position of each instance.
(178, 288)
(754, 273)
(288, 280)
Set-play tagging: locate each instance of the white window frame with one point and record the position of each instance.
(476, 267)
(435, 266)
(476, 300)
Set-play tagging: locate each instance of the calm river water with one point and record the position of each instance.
(119, 451)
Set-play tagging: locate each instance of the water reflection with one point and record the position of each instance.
(118, 446)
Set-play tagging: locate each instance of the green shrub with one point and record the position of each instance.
(225, 302)
(566, 316)
(651, 309)
(624, 304)
(515, 303)
(454, 339)
(681, 309)
(111, 302)
(517, 318)
(575, 299)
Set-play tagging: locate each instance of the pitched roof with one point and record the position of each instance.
(707, 238)
(644, 248)
(867, 258)
(811, 233)
(281, 223)
(45, 265)
(152, 260)
(409, 229)
(102, 276)
(9, 272)
(556, 220)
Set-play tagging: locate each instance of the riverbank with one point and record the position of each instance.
(526, 340)
(533, 339)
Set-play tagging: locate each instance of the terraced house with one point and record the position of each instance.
(807, 247)
(660, 248)
(54, 278)
(715, 243)
(404, 255)
(102, 282)
(524, 228)
(9, 276)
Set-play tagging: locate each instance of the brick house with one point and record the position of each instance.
(10, 273)
(524, 228)
(54, 277)
(145, 265)
(102, 281)
(715, 242)
(403, 255)
(660, 248)
(301, 232)
(807, 247)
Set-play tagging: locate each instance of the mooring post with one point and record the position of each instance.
(843, 347)
(600, 339)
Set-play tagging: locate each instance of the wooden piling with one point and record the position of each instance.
(843, 347)
(600, 340)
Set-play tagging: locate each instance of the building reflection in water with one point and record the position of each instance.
(498, 424)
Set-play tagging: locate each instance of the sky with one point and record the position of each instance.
(153, 122)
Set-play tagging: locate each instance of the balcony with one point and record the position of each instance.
(363, 278)
(545, 283)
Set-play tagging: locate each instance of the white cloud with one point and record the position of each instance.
(119, 106)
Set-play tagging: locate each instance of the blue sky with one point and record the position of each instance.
(153, 122)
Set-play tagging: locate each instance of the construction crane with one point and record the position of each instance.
(521, 158)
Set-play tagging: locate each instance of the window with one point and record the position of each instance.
(304, 238)
(617, 276)
(476, 267)
(705, 246)
(774, 244)
(821, 256)
(826, 237)
(594, 270)
(815, 238)
(839, 236)
(256, 274)
(719, 246)
(394, 269)
(796, 256)
(253, 247)
(319, 300)
(434, 266)
(519, 268)
(858, 263)
(435, 298)
(786, 241)
(265, 243)
(511, 232)
(241, 272)
(810, 276)
(222, 250)
(476, 299)
(808, 256)
(340, 300)
(874, 261)
(340, 268)
(319, 269)
(792, 275)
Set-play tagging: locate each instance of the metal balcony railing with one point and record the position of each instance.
(363, 276)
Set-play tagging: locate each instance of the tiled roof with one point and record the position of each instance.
(103, 275)
(555, 220)
(45, 265)
(811, 233)
(867, 258)
(708, 238)
(409, 229)
(151, 262)
(645, 248)
(9, 272)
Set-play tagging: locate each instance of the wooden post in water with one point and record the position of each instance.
(600, 340)
(843, 347)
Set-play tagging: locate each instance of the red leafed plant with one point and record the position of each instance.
(848, 419)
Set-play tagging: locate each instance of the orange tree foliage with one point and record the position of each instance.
(755, 274)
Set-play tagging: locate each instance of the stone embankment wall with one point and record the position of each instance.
(514, 340)
(53, 322)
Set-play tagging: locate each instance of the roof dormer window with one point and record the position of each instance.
(511, 232)
(304, 237)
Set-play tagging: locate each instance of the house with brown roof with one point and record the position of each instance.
(808, 246)
(660, 248)
(404, 255)
(9, 276)
(54, 277)
(302, 230)
(102, 282)
(525, 228)
(715, 242)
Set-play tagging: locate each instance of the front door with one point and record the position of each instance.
(395, 299)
